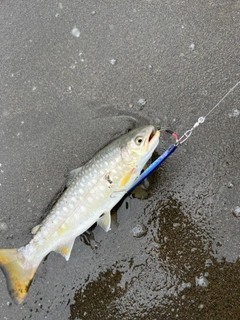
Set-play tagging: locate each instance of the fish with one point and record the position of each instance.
(91, 192)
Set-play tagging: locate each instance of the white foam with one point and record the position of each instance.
(235, 113)
(113, 61)
(192, 46)
(201, 281)
(236, 212)
(75, 32)
(142, 102)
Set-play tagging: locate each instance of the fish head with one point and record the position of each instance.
(139, 144)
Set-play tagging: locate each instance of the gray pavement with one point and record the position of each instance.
(74, 75)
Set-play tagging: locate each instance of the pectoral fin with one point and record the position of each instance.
(105, 221)
(127, 177)
(72, 174)
(65, 249)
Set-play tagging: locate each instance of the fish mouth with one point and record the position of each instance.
(152, 139)
(151, 135)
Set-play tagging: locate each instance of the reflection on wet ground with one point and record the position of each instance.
(173, 276)
(160, 260)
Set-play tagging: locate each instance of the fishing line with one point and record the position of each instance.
(179, 142)
(188, 133)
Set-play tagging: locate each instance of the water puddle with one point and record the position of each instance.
(168, 272)
(161, 259)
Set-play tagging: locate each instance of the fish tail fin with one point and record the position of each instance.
(18, 278)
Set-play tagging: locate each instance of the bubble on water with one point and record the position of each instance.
(192, 46)
(208, 263)
(142, 102)
(230, 185)
(201, 281)
(93, 12)
(72, 66)
(57, 14)
(139, 231)
(176, 224)
(234, 113)
(3, 226)
(75, 32)
(236, 212)
(34, 88)
(113, 61)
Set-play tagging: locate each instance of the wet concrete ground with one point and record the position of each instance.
(65, 93)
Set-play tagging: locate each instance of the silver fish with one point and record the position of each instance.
(92, 191)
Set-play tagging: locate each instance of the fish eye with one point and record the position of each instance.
(139, 140)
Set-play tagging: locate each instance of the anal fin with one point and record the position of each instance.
(65, 249)
(105, 221)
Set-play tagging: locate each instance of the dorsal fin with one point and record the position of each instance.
(72, 174)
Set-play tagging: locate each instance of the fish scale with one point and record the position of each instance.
(92, 191)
